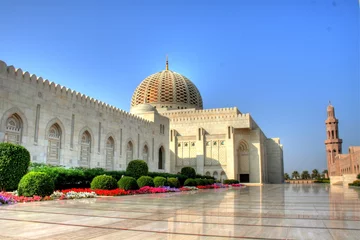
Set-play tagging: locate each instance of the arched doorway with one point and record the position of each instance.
(145, 154)
(243, 169)
(222, 176)
(13, 129)
(129, 152)
(215, 175)
(161, 162)
(85, 149)
(54, 144)
(110, 153)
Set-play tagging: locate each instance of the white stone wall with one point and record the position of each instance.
(230, 126)
(275, 161)
(21, 93)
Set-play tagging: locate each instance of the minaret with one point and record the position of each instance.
(333, 142)
(167, 63)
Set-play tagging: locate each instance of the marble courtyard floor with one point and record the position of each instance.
(313, 211)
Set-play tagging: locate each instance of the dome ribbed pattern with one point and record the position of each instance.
(167, 89)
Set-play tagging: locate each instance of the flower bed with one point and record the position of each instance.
(78, 193)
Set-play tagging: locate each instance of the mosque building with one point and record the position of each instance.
(343, 168)
(167, 127)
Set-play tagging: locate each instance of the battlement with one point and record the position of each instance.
(205, 114)
(18, 75)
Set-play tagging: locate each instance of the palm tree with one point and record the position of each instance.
(315, 174)
(295, 174)
(305, 175)
(286, 176)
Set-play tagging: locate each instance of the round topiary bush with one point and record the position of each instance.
(159, 181)
(173, 182)
(128, 183)
(36, 183)
(14, 163)
(206, 182)
(199, 182)
(211, 181)
(103, 182)
(188, 171)
(358, 176)
(190, 182)
(145, 181)
(137, 168)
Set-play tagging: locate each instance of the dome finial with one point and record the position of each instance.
(167, 63)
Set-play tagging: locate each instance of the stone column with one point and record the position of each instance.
(200, 151)
(230, 153)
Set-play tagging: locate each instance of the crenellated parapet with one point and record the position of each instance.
(205, 114)
(13, 74)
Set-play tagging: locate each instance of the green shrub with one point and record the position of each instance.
(36, 183)
(103, 182)
(206, 182)
(189, 172)
(159, 181)
(199, 182)
(128, 183)
(355, 183)
(211, 181)
(145, 181)
(137, 168)
(204, 177)
(116, 174)
(180, 177)
(190, 182)
(358, 176)
(322, 180)
(173, 182)
(230, 181)
(14, 163)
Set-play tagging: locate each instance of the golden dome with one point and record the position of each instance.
(167, 89)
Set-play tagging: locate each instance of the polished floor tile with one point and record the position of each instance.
(312, 211)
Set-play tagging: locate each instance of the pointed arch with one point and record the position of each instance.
(61, 127)
(109, 153)
(243, 162)
(13, 133)
(145, 153)
(86, 141)
(161, 158)
(54, 135)
(215, 175)
(129, 151)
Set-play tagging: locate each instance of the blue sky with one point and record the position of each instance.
(281, 61)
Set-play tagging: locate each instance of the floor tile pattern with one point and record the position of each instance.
(287, 211)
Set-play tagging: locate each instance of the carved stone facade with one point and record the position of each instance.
(167, 128)
(63, 127)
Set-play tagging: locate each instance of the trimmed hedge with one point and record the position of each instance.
(145, 181)
(14, 164)
(103, 182)
(189, 172)
(190, 182)
(355, 183)
(199, 182)
(36, 183)
(137, 168)
(159, 181)
(128, 183)
(322, 181)
(173, 182)
(180, 177)
(73, 177)
(230, 181)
